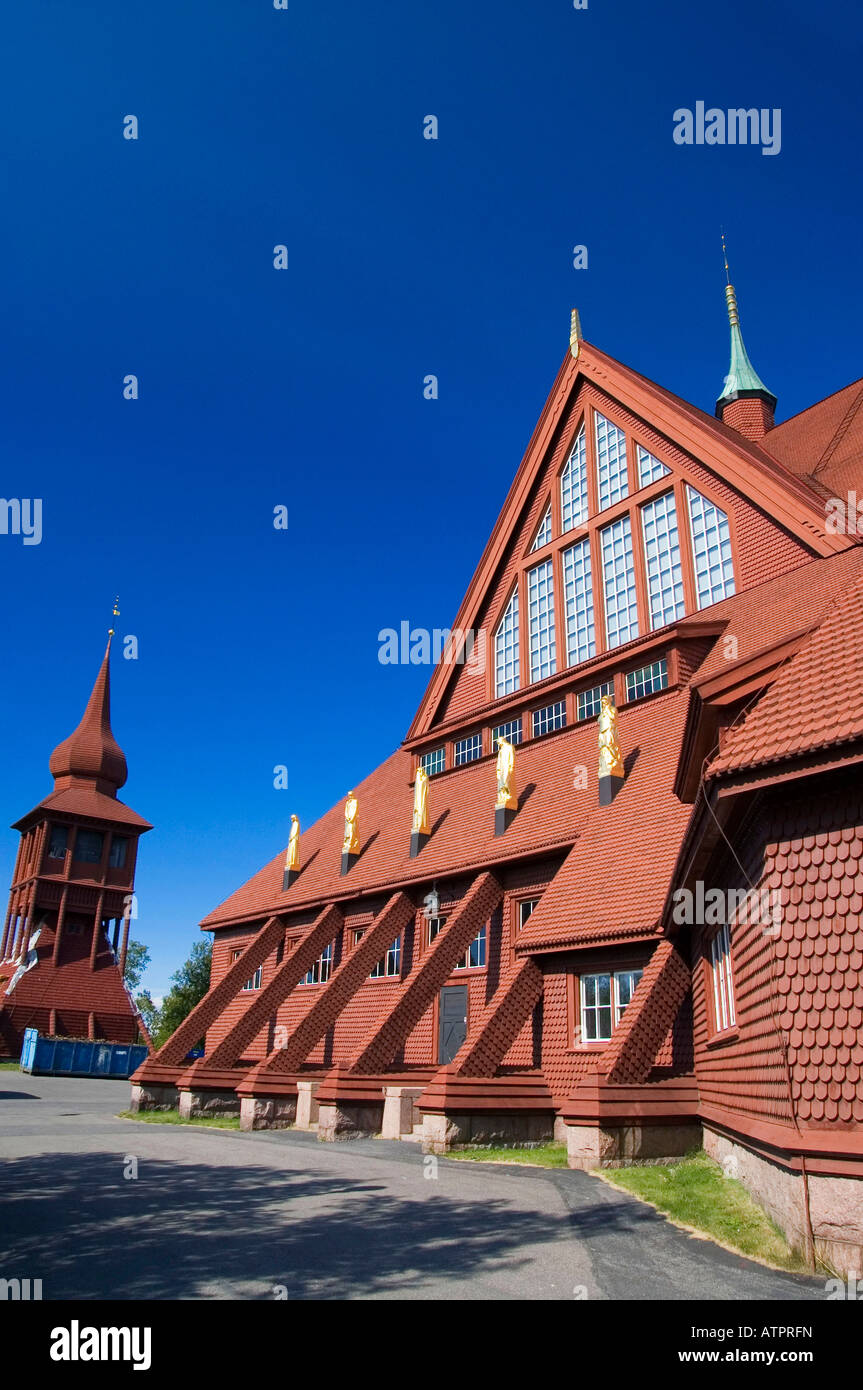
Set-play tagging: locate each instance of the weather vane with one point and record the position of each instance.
(115, 613)
(725, 257)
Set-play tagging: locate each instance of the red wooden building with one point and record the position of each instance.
(682, 962)
(63, 948)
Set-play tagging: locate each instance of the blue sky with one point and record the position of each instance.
(303, 387)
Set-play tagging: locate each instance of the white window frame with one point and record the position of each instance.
(722, 974)
(614, 1006)
(390, 964)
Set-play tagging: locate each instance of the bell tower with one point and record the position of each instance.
(66, 932)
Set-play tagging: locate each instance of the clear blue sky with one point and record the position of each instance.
(304, 387)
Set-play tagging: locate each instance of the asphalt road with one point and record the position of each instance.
(219, 1214)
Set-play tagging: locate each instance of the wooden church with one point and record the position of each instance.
(609, 887)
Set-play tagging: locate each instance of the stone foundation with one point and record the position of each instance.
(591, 1146)
(151, 1097)
(349, 1121)
(441, 1132)
(835, 1204)
(199, 1103)
(400, 1111)
(307, 1106)
(267, 1112)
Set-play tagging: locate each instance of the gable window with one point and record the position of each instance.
(433, 762)
(550, 718)
(540, 599)
(543, 535)
(322, 968)
(117, 852)
(589, 701)
(474, 956)
(506, 650)
(58, 842)
(573, 485)
(711, 549)
(649, 468)
(468, 749)
(391, 963)
(511, 731)
(578, 603)
(618, 569)
(610, 462)
(662, 554)
(525, 909)
(646, 680)
(723, 984)
(603, 1001)
(358, 935)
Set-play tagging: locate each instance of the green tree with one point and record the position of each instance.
(137, 960)
(148, 1011)
(189, 984)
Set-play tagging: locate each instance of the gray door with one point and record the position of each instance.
(452, 1029)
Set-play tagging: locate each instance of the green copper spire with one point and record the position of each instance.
(742, 380)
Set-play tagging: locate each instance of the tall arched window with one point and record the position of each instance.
(573, 485)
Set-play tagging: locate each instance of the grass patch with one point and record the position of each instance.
(7, 1065)
(538, 1155)
(172, 1117)
(696, 1194)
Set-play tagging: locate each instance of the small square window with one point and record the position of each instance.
(510, 731)
(436, 925)
(434, 762)
(647, 680)
(604, 998)
(468, 749)
(550, 718)
(525, 910)
(589, 701)
(474, 956)
(391, 963)
(320, 971)
(255, 981)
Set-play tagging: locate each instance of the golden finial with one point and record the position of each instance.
(575, 334)
(730, 295)
(115, 613)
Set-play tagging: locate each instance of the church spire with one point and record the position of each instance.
(745, 404)
(92, 754)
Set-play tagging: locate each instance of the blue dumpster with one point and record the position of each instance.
(77, 1057)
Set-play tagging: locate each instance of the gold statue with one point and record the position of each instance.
(352, 826)
(506, 796)
(610, 759)
(421, 803)
(292, 861)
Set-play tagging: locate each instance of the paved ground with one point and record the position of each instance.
(218, 1214)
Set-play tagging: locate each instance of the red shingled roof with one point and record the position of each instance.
(816, 702)
(824, 444)
(80, 800)
(771, 613)
(614, 881)
(461, 812)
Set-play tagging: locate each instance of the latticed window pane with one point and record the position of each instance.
(610, 462)
(646, 680)
(624, 988)
(552, 717)
(543, 535)
(391, 963)
(649, 468)
(255, 981)
(711, 550)
(433, 762)
(467, 749)
(573, 485)
(618, 571)
(320, 971)
(589, 700)
(540, 607)
(578, 600)
(511, 731)
(662, 556)
(506, 653)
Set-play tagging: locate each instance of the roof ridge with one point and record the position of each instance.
(841, 430)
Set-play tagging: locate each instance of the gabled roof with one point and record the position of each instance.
(824, 444)
(597, 895)
(789, 500)
(552, 814)
(817, 701)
